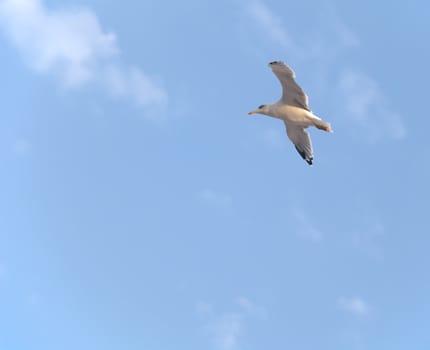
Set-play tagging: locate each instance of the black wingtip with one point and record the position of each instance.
(303, 155)
(276, 62)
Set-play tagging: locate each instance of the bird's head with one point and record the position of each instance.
(263, 109)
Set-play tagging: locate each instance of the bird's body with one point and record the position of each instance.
(293, 109)
(292, 114)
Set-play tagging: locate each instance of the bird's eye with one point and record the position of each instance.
(260, 106)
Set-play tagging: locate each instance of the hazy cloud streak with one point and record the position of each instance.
(226, 329)
(72, 45)
(354, 305)
(365, 103)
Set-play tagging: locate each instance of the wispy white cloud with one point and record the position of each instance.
(307, 229)
(346, 37)
(226, 329)
(131, 81)
(218, 199)
(72, 45)
(68, 41)
(355, 94)
(365, 104)
(270, 23)
(354, 305)
(246, 304)
(250, 308)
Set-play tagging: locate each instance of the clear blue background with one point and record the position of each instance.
(196, 226)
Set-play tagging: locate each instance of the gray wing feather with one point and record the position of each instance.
(301, 140)
(292, 93)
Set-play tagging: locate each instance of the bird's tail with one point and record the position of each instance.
(322, 125)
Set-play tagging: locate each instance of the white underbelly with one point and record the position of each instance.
(295, 115)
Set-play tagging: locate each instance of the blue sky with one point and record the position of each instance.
(142, 208)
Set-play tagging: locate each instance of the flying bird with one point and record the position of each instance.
(293, 109)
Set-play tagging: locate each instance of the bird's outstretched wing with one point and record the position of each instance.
(292, 93)
(301, 140)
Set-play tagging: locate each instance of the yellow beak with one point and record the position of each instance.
(252, 112)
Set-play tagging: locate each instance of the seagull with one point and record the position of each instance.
(293, 109)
